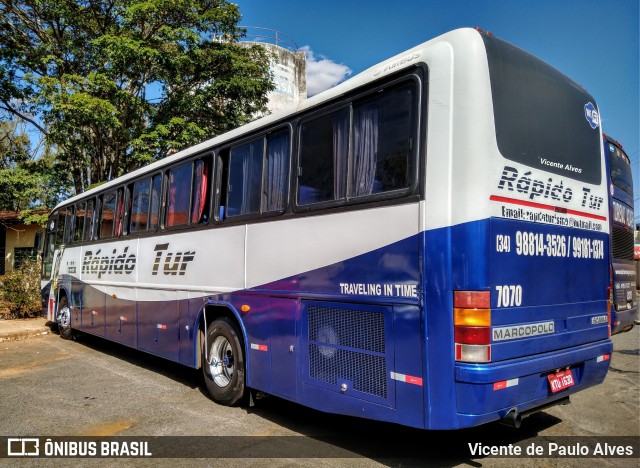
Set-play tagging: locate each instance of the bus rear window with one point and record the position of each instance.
(542, 118)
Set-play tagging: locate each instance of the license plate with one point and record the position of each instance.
(560, 380)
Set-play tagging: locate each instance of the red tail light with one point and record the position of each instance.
(472, 326)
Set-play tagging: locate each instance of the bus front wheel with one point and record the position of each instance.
(223, 363)
(63, 319)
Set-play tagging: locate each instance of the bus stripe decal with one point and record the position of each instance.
(406, 378)
(542, 206)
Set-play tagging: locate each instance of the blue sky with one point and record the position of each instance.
(595, 42)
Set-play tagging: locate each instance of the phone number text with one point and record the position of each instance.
(535, 244)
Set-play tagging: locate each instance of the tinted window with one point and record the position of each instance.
(59, 218)
(276, 172)
(81, 213)
(363, 150)
(382, 142)
(542, 118)
(119, 213)
(156, 191)
(107, 214)
(620, 168)
(140, 206)
(89, 221)
(47, 255)
(200, 194)
(68, 225)
(178, 195)
(245, 178)
(324, 146)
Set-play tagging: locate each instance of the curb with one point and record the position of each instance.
(22, 332)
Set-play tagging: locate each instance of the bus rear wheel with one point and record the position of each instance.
(63, 319)
(223, 363)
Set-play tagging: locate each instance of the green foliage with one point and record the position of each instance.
(34, 216)
(20, 291)
(114, 85)
(14, 144)
(25, 183)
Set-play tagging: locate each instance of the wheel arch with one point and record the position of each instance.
(60, 293)
(209, 312)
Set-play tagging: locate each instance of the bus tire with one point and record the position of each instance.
(63, 319)
(223, 363)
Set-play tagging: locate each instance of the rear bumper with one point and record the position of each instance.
(623, 320)
(486, 392)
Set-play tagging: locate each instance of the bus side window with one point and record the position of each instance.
(222, 176)
(108, 214)
(383, 131)
(178, 195)
(245, 178)
(200, 193)
(68, 225)
(324, 148)
(89, 221)
(156, 200)
(81, 213)
(119, 213)
(140, 202)
(276, 172)
(47, 255)
(126, 209)
(59, 226)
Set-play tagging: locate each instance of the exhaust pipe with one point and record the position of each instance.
(512, 418)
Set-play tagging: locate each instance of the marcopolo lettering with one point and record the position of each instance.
(522, 331)
(110, 264)
(175, 263)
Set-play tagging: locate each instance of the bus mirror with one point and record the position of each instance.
(37, 241)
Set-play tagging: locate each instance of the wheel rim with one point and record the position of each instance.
(221, 361)
(64, 318)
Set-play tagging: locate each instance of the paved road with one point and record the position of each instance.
(50, 387)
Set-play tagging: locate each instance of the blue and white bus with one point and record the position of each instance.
(425, 244)
(624, 303)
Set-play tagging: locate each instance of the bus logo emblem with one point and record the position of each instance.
(591, 114)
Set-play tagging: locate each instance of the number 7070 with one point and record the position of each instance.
(509, 295)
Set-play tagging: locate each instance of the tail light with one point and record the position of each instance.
(472, 326)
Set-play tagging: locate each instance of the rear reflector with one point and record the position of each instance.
(473, 353)
(505, 384)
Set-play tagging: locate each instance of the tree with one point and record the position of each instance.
(15, 146)
(115, 84)
(27, 184)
